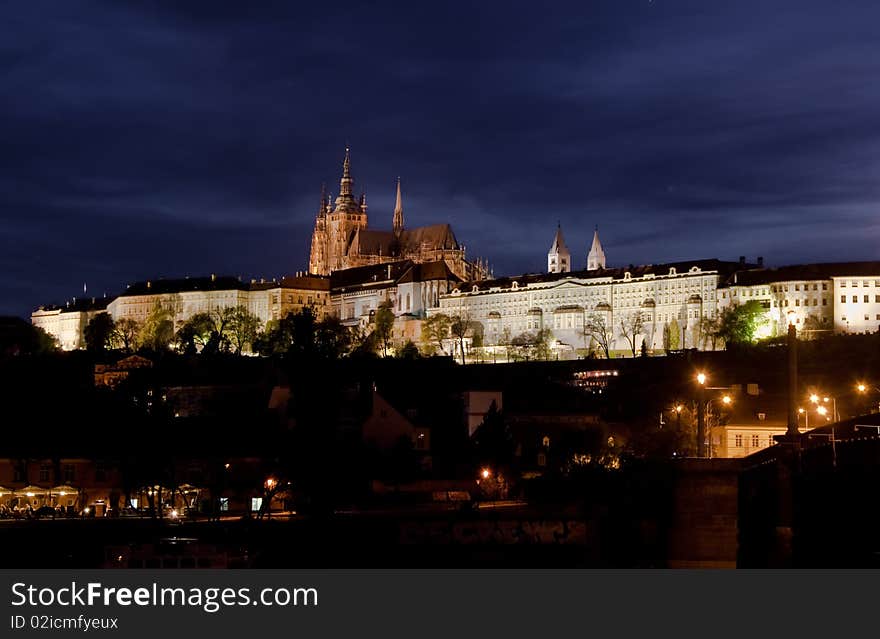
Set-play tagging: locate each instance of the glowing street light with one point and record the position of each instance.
(861, 388)
(270, 483)
(814, 398)
(726, 399)
(701, 378)
(485, 473)
(822, 410)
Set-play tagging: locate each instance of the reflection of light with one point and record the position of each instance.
(174, 514)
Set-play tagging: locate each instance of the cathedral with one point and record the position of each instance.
(342, 238)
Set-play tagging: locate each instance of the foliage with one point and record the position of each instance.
(98, 333)
(709, 330)
(631, 326)
(435, 329)
(597, 330)
(242, 328)
(383, 322)
(125, 333)
(740, 323)
(194, 334)
(458, 327)
(492, 442)
(408, 351)
(671, 335)
(301, 335)
(157, 331)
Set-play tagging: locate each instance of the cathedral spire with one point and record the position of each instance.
(345, 200)
(322, 208)
(596, 257)
(398, 210)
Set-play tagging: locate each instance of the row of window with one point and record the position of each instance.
(755, 440)
(855, 299)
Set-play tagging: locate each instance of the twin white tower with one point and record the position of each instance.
(559, 257)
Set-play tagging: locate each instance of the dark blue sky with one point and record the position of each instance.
(143, 139)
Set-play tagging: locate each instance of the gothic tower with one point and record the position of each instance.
(559, 257)
(318, 254)
(596, 257)
(347, 216)
(398, 212)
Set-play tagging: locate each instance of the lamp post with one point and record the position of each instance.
(701, 415)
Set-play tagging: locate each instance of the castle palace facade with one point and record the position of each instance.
(342, 238)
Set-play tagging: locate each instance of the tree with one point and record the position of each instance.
(541, 343)
(596, 328)
(332, 339)
(435, 329)
(492, 442)
(671, 335)
(709, 328)
(644, 348)
(408, 351)
(98, 333)
(242, 328)
(458, 327)
(125, 333)
(740, 323)
(504, 340)
(631, 326)
(383, 321)
(195, 333)
(157, 331)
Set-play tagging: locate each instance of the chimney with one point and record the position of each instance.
(760, 261)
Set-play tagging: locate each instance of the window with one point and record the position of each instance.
(224, 504)
(256, 503)
(866, 299)
(756, 441)
(824, 301)
(877, 299)
(855, 299)
(866, 317)
(843, 285)
(843, 299)
(738, 441)
(68, 472)
(797, 302)
(100, 471)
(45, 470)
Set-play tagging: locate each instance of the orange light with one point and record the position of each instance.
(726, 399)
(485, 473)
(862, 388)
(701, 378)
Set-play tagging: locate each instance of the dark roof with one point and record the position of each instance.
(163, 286)
(722, 267)
(428, 271)
(80, 304)
(803, 272)
(300, 282)
(372, 242)
(388, 273)
(434, 236)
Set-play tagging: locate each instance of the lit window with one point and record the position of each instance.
(738, 441)
(756, 441)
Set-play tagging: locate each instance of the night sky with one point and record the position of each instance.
(145, 139)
